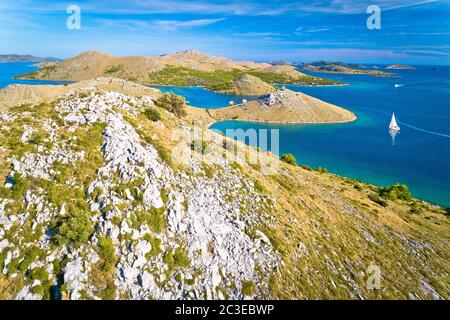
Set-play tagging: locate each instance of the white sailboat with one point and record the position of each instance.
(394, 128)
(394, 125)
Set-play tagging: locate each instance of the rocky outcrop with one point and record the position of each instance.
(203, 224)
(285, 106)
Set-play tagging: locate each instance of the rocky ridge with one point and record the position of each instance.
(209, 229)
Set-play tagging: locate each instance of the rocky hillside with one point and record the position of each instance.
(14, 95)
(285, 106)
(187, 68)
(99, 202)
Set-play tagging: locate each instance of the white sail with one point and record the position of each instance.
(394, 125)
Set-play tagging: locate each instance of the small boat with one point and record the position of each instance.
(393, 126)
(244, 101)
(398, 85)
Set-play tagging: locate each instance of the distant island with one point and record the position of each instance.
(184, 68)
(25, 58)
(400, 67)
(342, 68)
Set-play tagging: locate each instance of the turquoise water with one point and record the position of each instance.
(363, 149)
(11, 69)
(201, 98)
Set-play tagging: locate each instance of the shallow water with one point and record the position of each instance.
(201, 98)
(10, 69)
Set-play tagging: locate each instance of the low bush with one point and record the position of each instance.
(38, 274)
(415, 209)
(179, 259)
(289, 158)
(248, 288)
(395, 192)
(76, 227)
(322, 170)
(106, 252)
(152, 114)
(376, 198)
(172, 103)
(114, 69)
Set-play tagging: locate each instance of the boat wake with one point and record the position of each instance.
(425, 130)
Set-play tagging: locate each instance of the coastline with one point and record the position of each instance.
(281, 123)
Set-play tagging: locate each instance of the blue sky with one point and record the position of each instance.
(412, 31)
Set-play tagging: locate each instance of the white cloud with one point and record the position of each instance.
(164, 25)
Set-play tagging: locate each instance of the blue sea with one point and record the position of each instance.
(201, 98)
(10, 69)
(362, 149)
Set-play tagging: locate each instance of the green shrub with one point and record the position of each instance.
(322, 170)
(447, 211)
(114, 69)
(154, 218)
(289, 158)
(396, 192)
(156, 246)
(38, 274)
(259, 187)
(21, 264)
(152, 114)
(179, 259)
(106, 252)
(19, 185)
(109, 293)
(248, 288)
(376, 198)
(172, 103)
(415, 209)
(75, 227)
